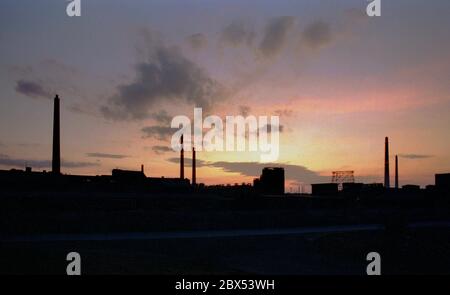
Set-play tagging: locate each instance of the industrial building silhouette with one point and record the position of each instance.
(119, 180)
(271, 181)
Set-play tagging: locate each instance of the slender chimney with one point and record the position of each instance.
(386, 163)
(396, 172)
(194, 174)
(142, 168)
(56, 157)
(182, 159)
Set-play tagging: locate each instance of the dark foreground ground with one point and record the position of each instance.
(425, 251)
(160, 235)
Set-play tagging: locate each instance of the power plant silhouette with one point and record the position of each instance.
(271, 182)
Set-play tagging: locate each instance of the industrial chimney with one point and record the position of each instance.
(396, 172)
(386, 163)
(182, 159)
(56, 157)
(194, 174)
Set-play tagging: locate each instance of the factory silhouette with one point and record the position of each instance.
(271, 181)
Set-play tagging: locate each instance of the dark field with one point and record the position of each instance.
(416, 252)
(135, 234)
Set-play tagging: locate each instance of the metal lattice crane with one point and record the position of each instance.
(341, 177)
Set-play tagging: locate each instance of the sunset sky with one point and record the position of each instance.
(339, 80)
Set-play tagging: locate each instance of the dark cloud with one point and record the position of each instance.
(275, 35)
(236, 34)
(188, 162)
(161, 149)
(254, 169)
(20, 163)
(32, 89)
(415, 156)
(158, 132)
(317, 34)
(162, 117)
(42, 79)
(106, 156)
(167, 76)
(197, 41)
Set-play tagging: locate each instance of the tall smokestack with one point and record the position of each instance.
(194, 174)
(386, 163)
(182, 159)
(56, 157)
(396, 172)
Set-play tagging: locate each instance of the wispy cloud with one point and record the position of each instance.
(188, 162)
(20, 163)
(158, 132)
(106, 156)
(162, 117)
(275, 35)
(161, 149)
(32, 89)
(415, 156)
(317, 35)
